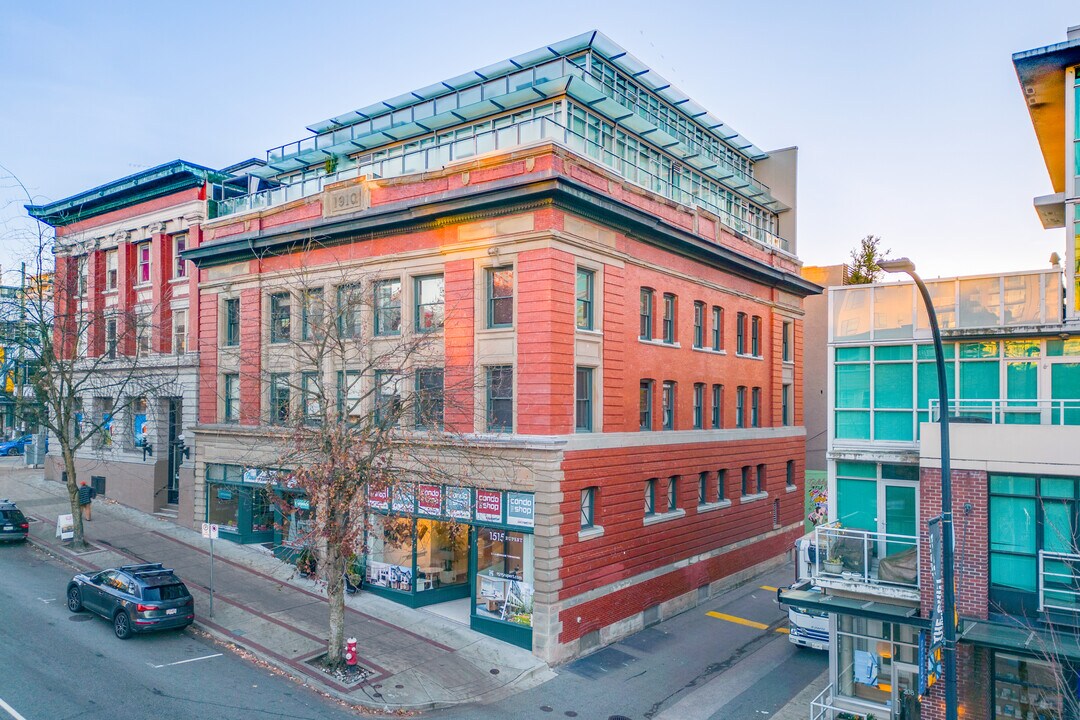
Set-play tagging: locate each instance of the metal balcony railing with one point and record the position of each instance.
(1000, 411)
(867, 557)
(1059, 581)
(822, 708)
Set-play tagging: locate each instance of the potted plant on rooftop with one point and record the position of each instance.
(833, 563)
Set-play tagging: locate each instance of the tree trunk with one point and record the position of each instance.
(79, 541)
(335, 593)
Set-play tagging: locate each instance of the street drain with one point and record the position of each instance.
(618, 717)
(547, 708)
(494, 671)
(570, 713)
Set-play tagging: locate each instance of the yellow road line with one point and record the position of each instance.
(738, 620)
(770, 588)
(783, 630)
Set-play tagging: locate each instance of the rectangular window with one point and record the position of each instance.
(761, 478)
(231, 381)
(429, 398)
(789, 474)
(667, 406)
(111, 272)
(645, 330)
(583, 407)
(699, 406)
(588, 507)
(645, 401)
(669, 318)
(500, 398)
(142, 332)
(312, 315)
(500, 297)
(279, 398)
(387, 397)
(755, 336)
(280, 317)
(745, 480)
(717, 406)
(179, 264)
(785, 404)
(84, 274)
(703, 488)
(179, 332)
(350, 395)
(430, 303)
(673, 493)
(717, 328)
(785, 352)
(755, 407)
(387, 307)
(721, 485)
(699, 324)
(232, 322)
(650, 497)
(110, 337)
(311, 397)
(740, 334)
(350, 307)
(142, 250)
(583, 306)
(740, 406)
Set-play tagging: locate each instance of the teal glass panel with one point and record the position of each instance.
(900, 518)
(926, 352)
(986, 349)
(1065, 386)
(853, 424)
(1013, 571)
(899, 472)
(1012, 524)
(1057, 487)
(1012, 485)
(856, 470)
(856, 503)
(979, 380)
(892, 352)
(853, 386)
(890, 425)
(1076, 115)
(928, 389)
(1022, 348)
(852, 354)
(1022, 380)
(893, 386)
(1058, 530)
(1062, 348)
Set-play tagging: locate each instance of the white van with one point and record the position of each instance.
(806, 628)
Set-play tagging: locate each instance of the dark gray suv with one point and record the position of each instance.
(136, 598)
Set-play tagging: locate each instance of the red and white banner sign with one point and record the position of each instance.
(489, 505)
(429, 500)
(379, 497)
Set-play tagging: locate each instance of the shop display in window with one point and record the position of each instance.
(504, 579)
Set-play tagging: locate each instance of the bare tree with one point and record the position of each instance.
(57, 341)
(363, 404)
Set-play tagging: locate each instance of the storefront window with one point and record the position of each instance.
(1027, 688)
(390, 552)
(442, 554)
(223, 506)
(262, 511)
(296, 525)
(876, 662)
(504, 577)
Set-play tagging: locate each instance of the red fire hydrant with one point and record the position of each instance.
(350, 651)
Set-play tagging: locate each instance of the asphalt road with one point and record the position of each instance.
(692, 667)
(55, 665)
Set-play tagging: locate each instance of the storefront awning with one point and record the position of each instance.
(873, 609)
(1030, 641)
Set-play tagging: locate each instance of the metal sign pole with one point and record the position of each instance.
(211, 576)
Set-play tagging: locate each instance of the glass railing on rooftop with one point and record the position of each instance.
(1000, 411)
(522, 133)
(864, 556)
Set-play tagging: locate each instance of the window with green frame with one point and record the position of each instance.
(583, 301)
(852, 398)
(500, 297)
(1013, 527)
(856, 495)
(429, 296)
(894, 392)
(926, 377)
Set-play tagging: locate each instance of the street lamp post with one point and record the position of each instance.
(906, 266)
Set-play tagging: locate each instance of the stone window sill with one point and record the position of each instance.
(791, 488)
(710, 351)
(751, 498)
(664, 517)
(708, 507)
(590, 533)
(659, 343)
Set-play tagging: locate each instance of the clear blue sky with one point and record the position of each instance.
(908, 116)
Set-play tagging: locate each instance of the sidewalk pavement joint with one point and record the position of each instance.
(287, 628)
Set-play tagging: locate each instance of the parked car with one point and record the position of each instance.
(13, 524)
(16, 446)
(136, 598)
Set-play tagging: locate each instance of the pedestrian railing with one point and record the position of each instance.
(822, 708)
(1000, 411)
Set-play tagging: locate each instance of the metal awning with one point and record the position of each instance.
(1027, 640)
(873, 609)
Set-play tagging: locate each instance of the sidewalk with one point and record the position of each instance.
(418, 660)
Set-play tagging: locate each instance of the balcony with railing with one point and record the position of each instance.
(876, 563)
(1000, 411)
(823, 707)
(1059, 585)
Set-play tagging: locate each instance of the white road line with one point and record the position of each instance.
(181, 662)
(10, 710)
(47, 600)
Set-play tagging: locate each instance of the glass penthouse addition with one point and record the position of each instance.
(585, 93)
